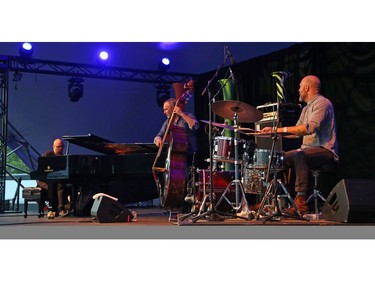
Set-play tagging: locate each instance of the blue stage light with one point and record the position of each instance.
(103, 58)
(26, 50)
(164, 64)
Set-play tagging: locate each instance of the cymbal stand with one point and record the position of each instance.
(272, 191)
(238, 185)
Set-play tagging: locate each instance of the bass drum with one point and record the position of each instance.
(221, 180)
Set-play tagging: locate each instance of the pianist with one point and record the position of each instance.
(57, 191)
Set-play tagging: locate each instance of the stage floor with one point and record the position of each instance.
(155, 223)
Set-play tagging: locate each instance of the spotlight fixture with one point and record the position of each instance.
(17, 76)
(162, 94)
(164, 64)
(75, 88)
(103, 58)
(26, 50)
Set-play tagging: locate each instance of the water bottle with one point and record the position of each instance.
(311, 217)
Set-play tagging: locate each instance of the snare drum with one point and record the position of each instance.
(224, 149)
(261, 159)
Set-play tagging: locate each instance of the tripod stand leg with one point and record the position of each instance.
(275, 184)
(245, 211)
(244, 207)
(201, 209)
(223, 196)
(267, 197)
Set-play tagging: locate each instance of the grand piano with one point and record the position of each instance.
(121, 170)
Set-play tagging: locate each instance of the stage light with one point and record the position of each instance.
(17, 76)
(26, 50)
(162, 94)
(103, 58)
(164, 64)
(75, 88)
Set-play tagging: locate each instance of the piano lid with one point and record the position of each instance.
(125, 148)
(104, 146)
(90, 141)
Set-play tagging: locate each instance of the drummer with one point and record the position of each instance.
(317, 126)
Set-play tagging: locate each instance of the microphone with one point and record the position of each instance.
(231, 74)
(214, 129)
(285, 73)
(232, 61)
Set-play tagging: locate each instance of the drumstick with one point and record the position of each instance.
(246, 129)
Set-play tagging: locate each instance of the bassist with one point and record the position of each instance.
(190, 125)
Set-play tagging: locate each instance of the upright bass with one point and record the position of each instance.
(171, 178)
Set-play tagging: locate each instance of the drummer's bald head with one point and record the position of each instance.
(312, 81)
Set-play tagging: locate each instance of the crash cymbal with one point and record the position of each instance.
(245, 112)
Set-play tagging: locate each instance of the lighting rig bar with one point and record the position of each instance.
(20, 64)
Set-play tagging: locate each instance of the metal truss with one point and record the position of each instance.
(22, 65)
(19, 64)
(4, 79)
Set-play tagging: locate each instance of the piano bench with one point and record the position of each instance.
(36, 194)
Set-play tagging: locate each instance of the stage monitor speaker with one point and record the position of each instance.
(106, 209)
(351, 200)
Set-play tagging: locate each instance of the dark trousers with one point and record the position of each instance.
(303, 160)
(57, 196)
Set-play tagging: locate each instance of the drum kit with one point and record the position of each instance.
(251, 165)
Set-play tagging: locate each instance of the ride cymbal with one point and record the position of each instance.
(245, 112)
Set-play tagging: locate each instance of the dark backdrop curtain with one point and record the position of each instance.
(347, 73)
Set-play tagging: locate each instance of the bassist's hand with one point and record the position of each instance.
(157, 141)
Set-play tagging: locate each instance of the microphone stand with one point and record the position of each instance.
(273, 185)
(212, 214)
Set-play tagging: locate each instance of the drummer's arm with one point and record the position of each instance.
(299, 130)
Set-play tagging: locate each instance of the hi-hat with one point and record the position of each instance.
(229, 127)
(220, 125)
(245, 112)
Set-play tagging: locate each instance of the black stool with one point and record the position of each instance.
(36, 194)
(328, 167)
